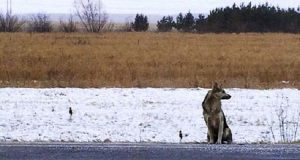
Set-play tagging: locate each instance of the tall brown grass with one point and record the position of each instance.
(149, 60)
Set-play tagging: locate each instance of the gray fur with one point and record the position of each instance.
(214, 117)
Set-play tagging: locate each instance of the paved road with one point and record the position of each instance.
(130, 151)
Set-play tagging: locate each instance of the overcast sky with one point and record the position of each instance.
(162, 7)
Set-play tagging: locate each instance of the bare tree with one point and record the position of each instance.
(287, 124)
(40, 23)
(69, 26)
(126, 27)
(10, 22)
(91, 15)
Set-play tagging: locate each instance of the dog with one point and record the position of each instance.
(214, 117)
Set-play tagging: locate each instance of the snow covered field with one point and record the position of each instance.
(136, 115)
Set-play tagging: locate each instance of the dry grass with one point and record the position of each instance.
(149, 60)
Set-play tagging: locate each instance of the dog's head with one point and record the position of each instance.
(219, 92)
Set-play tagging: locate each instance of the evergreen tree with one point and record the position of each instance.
(165, 24)
(200, 23)
(188, 22)
(179, 22)
(141, 23)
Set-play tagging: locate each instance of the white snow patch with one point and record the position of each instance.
(136, 115)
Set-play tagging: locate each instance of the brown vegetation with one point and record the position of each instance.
(149, 60)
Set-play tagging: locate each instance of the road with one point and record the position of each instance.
(133, 151)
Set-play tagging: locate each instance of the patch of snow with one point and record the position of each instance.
(137, 115)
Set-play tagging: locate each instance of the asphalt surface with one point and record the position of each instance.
(133, 151)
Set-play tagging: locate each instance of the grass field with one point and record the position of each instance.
(149, 60)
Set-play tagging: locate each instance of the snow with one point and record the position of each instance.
(138, 115)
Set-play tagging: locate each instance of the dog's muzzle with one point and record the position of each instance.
(226, 96)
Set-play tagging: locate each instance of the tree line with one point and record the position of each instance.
(242, 18)
(252, 18)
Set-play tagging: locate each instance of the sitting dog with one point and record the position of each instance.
(214, 117)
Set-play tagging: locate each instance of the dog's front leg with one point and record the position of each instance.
(221, 127)
(208, 121)
(210, 137)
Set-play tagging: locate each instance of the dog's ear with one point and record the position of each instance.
(215, 86)
(221, 84)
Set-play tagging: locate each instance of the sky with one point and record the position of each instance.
(161, 7)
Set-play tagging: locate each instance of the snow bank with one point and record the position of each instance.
(138, 115)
